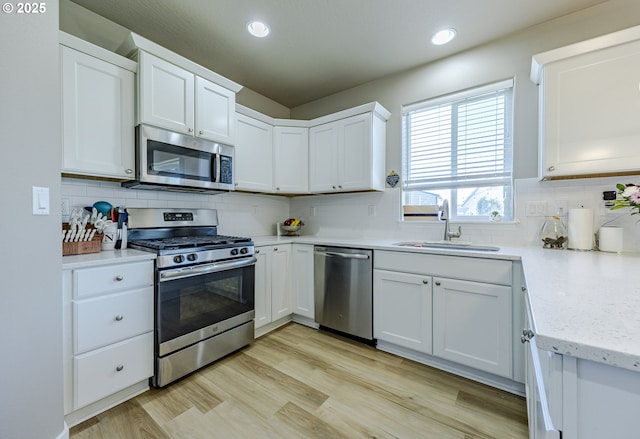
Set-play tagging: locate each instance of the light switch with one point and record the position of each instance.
(40, 198)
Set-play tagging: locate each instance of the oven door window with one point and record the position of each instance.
(192, 303)
(178, 162)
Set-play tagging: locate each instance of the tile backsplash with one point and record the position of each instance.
(374, 214)
(238, 213)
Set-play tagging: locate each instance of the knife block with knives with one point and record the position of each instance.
(89, 241)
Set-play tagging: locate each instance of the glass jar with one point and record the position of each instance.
(553, 233)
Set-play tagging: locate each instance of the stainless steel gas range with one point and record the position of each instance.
(204, 288)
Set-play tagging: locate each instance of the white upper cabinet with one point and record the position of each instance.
(167, 94)
(291, 159)
(98, 95)
(178, 100)
(348, 154)
(215, 112)
(177, 94)
(341, 152)
(590, 107)
(254, 155)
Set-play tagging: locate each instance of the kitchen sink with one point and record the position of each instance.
(455, 245)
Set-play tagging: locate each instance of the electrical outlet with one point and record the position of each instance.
(312, 211)
(372, 210)
(536, 208)
(65, 207)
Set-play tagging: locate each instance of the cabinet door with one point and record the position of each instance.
(589, 120)
(354, 153)
(323, 158)
(166, 94)
(254, 155)
(98, 116)
(281, 297)
(215, 112)
(472, 324)
(263, 287)
(302, 279)
(402, 309)
(291, 160)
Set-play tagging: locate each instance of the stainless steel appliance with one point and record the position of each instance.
(204, 288)
(179, 162)
(343, 289)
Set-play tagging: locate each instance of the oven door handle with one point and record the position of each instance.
(206, 268)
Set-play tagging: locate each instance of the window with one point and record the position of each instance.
(459, 147)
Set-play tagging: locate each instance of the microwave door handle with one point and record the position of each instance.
(215, 164)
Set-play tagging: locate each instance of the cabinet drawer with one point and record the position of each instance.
(104, 320)
(98, 280)
(459, 267)
(96, 373)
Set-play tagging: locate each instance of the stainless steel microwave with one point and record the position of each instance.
(174, 161)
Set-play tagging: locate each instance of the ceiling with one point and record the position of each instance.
(320, 47)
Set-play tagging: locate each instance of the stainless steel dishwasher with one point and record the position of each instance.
(343, 290)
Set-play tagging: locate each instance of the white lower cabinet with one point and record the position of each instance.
(302, 280)
(452, 312)
(108, 334)
(402, 309)
(273, 294)
(472, 324)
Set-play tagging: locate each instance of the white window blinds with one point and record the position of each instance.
(460, 140)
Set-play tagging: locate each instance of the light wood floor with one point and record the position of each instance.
(297, 383)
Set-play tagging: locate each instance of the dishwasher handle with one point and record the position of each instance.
(331, 254)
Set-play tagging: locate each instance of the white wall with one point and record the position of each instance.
(504, 58)
(31, 402)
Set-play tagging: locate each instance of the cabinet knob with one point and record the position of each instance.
(119, 318)
(275, 249)
(523, 288)
(200, 132)
(438, 283)
(340, 186)
(277, 188)
(333, 187)
(190, 130)
(128, 171)
(120, 367)
(425, 281)
(257, 251)
(551, 168)
(119, 278)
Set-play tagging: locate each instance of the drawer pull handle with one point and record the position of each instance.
(119, 368)
(119, 278)
(119, 318)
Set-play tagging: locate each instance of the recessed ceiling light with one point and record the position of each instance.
(258, 29)
(443, 36)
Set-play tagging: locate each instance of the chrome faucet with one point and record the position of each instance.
(448, 234)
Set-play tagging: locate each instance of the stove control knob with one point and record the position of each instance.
(192, 257)
(244, 251)
(178, 259)
(234, 251)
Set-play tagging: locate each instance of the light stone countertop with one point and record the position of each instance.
(105, 257)
(584, 304)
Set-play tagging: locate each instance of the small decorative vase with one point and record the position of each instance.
(553, 233)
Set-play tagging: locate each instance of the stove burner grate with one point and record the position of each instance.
(178, 242)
